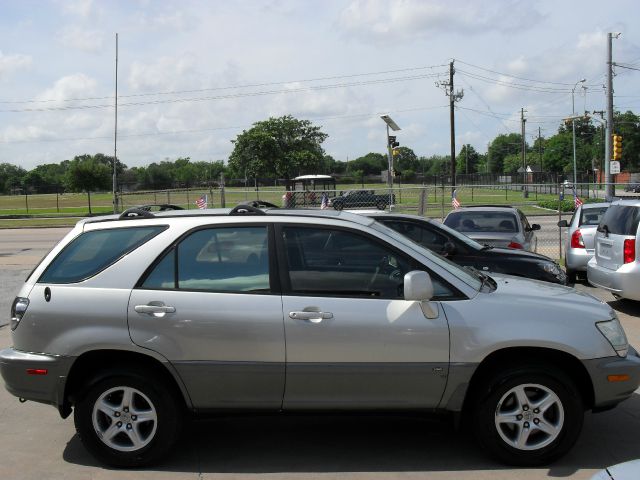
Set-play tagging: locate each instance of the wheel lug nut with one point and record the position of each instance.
(128, 426)
(526, 424)
(116, 414)
(536, 421)
(536, 410)
(134, 417)
(525, 408)
(119, 424)
(519, 417)
(126, 409)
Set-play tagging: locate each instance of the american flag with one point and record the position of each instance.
(576, 200)
(455, 203)
(201, 203)
(324, 203)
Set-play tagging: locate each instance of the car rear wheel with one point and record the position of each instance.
(528, 417)
(381, 205)
(338, 206)
(128, 420)
(571, 276)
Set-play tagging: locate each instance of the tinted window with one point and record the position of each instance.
(592, 216)
(233, 259)
(426, 237)
(91, 252)
(342, 263)
(482, 221)
(621, 219)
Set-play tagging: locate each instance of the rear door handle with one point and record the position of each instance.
(155, 309)
(313, 317)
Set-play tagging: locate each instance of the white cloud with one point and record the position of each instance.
(82, 39)
(178, 20)
(68, 87)
(394, 20)
(26, 133)
(9, 64)
(164, 74)
(81, 8)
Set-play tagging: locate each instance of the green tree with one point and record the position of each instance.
(500, 147)
(87, 173)
(10, 177)
(467, 160)
(283, 147)
(405, 159)
(369, 164)
(511, 163)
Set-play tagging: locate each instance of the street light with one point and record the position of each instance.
(394, 126)
(573, 123)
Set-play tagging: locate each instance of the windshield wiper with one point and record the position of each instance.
(483, 277)
(487, 247)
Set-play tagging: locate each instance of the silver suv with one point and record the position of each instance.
(132, 321)
(616, 263)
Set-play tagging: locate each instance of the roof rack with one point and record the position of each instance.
(134, 213)
(487, 205)
(246, 210)
(161, 207)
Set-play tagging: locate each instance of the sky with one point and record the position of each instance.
(192, 75)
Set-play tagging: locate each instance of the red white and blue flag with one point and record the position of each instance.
(201, 203)
(455, 203)
(576, 200)
(324, 203)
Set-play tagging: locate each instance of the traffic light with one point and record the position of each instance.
(395, 151)
(617, 147)
(392, 141)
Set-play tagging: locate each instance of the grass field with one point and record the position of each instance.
(50, 209)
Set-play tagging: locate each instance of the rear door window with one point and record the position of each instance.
(92, 252)
(621, 220)
(592, 216)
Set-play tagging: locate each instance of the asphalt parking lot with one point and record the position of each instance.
(37, 443)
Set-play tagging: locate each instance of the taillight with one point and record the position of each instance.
(629, 250)
(576, 239)
(515, 245)
(18, 309)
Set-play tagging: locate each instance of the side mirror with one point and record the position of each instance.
(563, 223)
(449, 248)
(535, 226)
(418, 288)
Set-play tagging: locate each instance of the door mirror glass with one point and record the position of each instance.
(418, 286)
(563, 223)
(535, 226)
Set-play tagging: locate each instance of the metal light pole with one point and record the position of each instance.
(394, 126)
(573, 124)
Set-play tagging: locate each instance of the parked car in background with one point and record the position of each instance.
(465, 251)
(495, 225)
(615, 265)
(133, 320)
(580, 244)
(633, 188)
(361, 199)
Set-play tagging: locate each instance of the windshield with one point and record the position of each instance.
(470, 278)
(482, 221)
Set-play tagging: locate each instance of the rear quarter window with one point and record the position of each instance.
(91, 252)
(621, 219)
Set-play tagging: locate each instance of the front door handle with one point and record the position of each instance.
(157, 309)
(313, 317)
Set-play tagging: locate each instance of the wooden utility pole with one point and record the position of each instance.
(115, 140)
(453, 98)
(524, 153)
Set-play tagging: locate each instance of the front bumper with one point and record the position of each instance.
(624, 282)
(43, 388)
(608, 394)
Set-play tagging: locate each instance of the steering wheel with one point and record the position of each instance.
(385, 268)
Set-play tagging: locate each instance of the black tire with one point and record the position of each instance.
(338, 206)
(381, 205)
(572, 276)
(168, 423)
(567, 412)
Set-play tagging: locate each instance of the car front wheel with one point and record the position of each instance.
(528, 417)
(127, 420)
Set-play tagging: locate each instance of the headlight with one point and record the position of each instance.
(18, 309)
(551, 268)
(614, 333)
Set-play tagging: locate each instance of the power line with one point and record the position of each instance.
(230, 87)
(230, 96)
